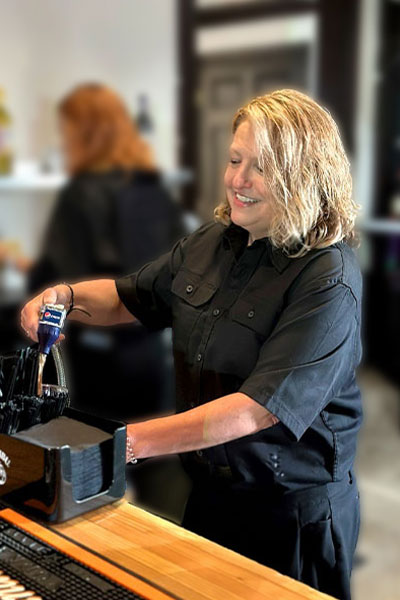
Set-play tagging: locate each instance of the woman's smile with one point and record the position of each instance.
(244, 201)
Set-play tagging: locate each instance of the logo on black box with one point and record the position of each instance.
(4, 462)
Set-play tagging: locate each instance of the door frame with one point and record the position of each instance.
(337, 62)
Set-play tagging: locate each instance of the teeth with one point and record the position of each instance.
(246, 199)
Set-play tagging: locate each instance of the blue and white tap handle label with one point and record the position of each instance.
(52, 314)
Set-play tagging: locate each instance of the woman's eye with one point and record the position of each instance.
(259, 169)
(234, 161)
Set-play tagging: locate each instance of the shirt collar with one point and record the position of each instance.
(237, 236)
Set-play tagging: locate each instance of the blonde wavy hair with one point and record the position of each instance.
(306, 170)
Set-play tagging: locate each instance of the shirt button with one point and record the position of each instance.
(275, 465)
(251, 314)
(199, 357)
(274, 456)
(189, 289)
(199, 453)
(192, 404)
(281, 474)
(216, 312)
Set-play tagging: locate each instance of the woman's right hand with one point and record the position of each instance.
(60, 294)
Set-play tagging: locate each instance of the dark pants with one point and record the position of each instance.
(309, 535)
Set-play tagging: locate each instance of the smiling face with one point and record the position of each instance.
(252, 206)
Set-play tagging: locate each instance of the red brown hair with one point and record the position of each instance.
(107, 136)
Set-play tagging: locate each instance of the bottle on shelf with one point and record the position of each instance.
(143, 119)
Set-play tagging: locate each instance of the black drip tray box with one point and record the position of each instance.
(63, 468)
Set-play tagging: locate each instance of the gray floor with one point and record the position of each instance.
(377, 577)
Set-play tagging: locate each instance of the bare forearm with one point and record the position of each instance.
(100, 302)
(216, 422)
(97, 300)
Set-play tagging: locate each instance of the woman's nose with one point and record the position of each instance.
(242, 179)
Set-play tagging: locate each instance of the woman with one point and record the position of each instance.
(112, 216)
(265, 310)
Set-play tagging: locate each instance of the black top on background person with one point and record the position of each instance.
(107, 223)
(265, 312)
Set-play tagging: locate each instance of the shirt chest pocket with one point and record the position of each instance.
(256, 315)
(191, 297)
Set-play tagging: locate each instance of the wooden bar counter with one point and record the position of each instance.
(181, 563)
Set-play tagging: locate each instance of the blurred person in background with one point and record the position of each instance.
(112, 217)
(264, 306)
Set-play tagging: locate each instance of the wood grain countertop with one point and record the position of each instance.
(182, 563)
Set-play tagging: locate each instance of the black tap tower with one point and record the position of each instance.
(55, 462)
(22, 401)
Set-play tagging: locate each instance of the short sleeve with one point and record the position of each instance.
(310, 353)
(147, 293)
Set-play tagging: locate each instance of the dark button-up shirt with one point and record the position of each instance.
(284, 331)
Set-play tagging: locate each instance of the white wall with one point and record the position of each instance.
(368, 78)
(48, 46)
